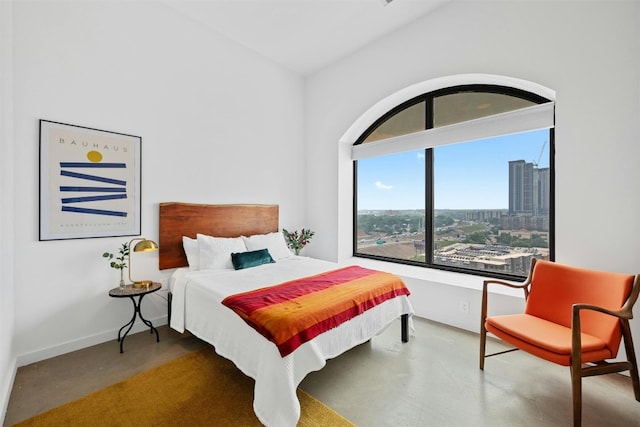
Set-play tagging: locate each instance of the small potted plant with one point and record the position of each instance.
(119, 262)
(297, 240)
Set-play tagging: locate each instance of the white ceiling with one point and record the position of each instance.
(304, 35)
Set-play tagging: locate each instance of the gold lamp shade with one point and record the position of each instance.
(144, 245)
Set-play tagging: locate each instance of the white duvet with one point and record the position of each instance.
(197, 307)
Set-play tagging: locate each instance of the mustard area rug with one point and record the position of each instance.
(199, 389)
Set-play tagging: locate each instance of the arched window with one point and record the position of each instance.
(459, 178)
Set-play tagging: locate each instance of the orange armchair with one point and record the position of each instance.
(573, 317)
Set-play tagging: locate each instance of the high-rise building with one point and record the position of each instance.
(529, 202)
(541, 186)
(520, 187)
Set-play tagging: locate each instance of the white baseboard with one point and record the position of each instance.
(5, 391)
(78, 344)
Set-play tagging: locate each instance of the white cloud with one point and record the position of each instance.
(382, 186)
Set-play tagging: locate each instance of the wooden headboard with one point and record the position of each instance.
(188, 219)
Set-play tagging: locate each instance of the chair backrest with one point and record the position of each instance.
(556, 287)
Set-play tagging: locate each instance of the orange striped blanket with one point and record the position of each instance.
(297, 311)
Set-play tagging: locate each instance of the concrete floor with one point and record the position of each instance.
(433, 380)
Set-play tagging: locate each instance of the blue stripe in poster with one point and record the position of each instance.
(93, 178)
(93, 198)
(92, 211)
(93, 189)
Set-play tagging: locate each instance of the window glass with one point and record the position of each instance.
(390, 206)
(408, 120)
(487, 217)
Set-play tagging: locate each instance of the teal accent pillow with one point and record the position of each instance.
(249, 259)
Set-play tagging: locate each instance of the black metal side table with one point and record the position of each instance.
(130, 292)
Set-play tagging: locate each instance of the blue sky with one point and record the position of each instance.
(467, 176)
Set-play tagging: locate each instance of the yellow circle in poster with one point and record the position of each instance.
(94, 156)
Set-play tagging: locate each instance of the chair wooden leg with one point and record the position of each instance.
(483, 330)
(576, 389)
(631, 357)
(576, 367)
(483, 343)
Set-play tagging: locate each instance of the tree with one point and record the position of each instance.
(505, 239)
(477, 237)
(442, 221)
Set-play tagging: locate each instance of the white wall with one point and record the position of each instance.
(588, 52)
(211, 114)
(7, 354)
(219, 124)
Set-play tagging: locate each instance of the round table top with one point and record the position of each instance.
(130, 291)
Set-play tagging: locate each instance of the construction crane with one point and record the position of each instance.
(535, 164)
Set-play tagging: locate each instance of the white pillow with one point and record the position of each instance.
(273, 242)
(192, 251)
(215, 252)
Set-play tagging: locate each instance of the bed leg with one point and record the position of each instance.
(404, 320)
(169, 299)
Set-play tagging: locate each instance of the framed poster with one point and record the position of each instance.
(89, 182)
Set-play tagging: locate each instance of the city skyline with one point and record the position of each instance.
(466, 175)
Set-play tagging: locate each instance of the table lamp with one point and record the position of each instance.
(143, 246)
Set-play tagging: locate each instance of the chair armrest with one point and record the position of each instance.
(622, 314)
(501, 282)
(576, 330)
(485, 294)
(524, 286)
(485, 287)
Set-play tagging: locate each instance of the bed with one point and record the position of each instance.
(191, 240)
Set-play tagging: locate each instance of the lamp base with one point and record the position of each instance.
(142, 284)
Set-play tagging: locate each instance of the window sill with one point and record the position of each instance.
(448, 278)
